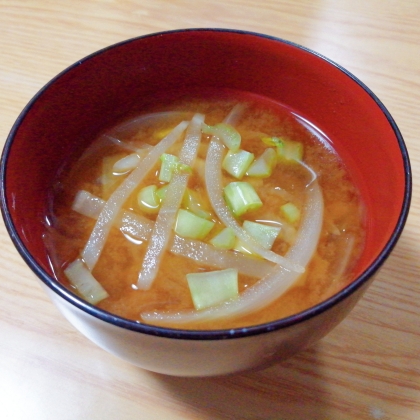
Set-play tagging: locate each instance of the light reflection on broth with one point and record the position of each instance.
(341, 239)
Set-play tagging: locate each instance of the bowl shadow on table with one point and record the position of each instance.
(311, 383)
(273, 393)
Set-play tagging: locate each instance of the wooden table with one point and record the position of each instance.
(367, 368)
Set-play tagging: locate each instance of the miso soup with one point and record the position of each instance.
(206, 213)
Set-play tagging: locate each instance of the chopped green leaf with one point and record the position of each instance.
(192, 201)
(241, 247)
(227, 133)
(265, 235)
(189, 225)
(263, 166)
(290, 151)
(148, 200)
(237, 163)
(271, 141)
(169, 164)
(224, 239)
(287, 150)
(84, 282)
(290, 212)
(161, 192)
(213, 287)
(241, 198)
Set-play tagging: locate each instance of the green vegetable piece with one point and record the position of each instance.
(168, 167)
(290, 151)
(265, 235)
(237, 163)
(189, 225)
(271, 141)
(241, 247)
(192, 201)
(227, 133)
(161, 192)
(241, 198)
(224, 239)
(263, 166)
(287, 150)
(82, 279)
(213, 287)
(148, 200)
(182, 168)
(171, 165)
(290, 212)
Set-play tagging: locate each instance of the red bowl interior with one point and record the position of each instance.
(123, 79)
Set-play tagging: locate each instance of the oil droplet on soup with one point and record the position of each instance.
(280, 182)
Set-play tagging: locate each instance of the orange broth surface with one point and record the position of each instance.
(119, 264)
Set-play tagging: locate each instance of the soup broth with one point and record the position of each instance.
(261, 123)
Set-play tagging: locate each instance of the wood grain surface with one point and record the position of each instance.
(367, 368)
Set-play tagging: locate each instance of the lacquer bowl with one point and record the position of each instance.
(73, 108)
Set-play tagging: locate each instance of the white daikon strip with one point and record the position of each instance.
(120, 143)
(88, 204)
(131, 127)
(96, 242)
(81, 278)
(312, 173)
(126, 164)
(270, 287)
(140, 228)
(208, 255)
(235, 114)
(214, 185)
(106, 140)
(166, 217)
(135, 225)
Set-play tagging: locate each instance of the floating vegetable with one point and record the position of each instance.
(97, 239)
(237, 163)
(241, 197)
(165, 220)
(225, 132)
(224, 239)
(287, 150)
(84, 282)
(290, 212)
(147, 199)
(213, 287)
(263, 166)
(189, 225)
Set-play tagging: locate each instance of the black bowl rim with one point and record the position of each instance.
(283, 323)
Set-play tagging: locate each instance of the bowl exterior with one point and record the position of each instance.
(197, 358)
